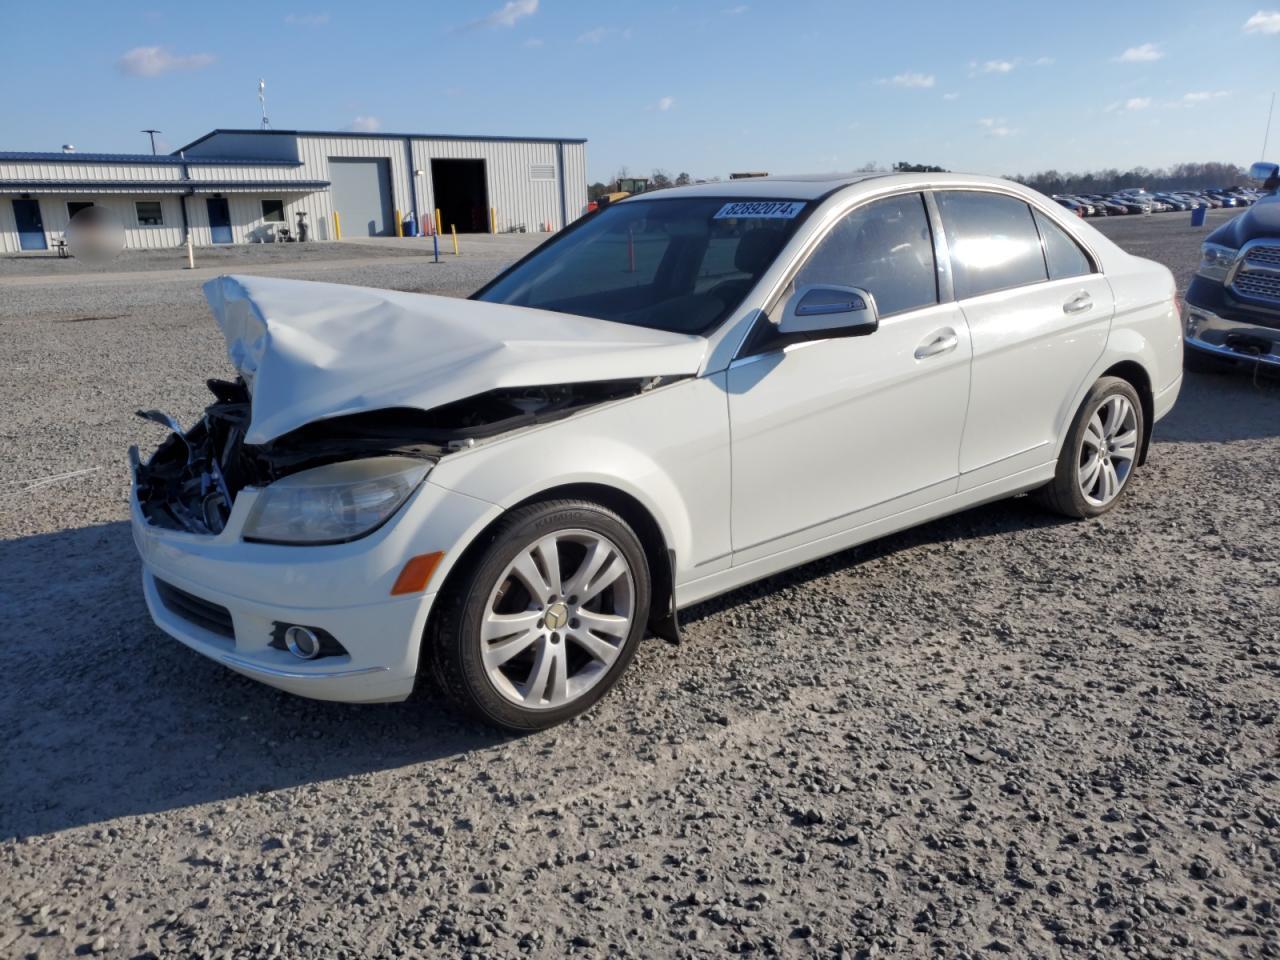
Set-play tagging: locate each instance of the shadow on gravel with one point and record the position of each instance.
(104, 716)
(991, 520)
(1219, 408)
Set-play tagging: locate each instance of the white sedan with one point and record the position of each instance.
(683, 392)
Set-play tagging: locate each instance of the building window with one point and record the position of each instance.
(273, 211)
(542, 171)
(75, 206)
(150, 213)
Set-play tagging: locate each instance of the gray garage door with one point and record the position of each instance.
(362, 196)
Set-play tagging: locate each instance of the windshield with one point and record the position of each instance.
(680, 265)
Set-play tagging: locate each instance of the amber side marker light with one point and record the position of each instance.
(417, 573)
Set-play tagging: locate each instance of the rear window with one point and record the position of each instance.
(993, 240)
(680, 264)
(1062, 255)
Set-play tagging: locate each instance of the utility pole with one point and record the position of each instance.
(152, 134)
(1267, 136)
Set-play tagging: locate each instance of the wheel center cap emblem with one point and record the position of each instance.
(557, 616)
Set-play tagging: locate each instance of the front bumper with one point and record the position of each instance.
(344, 589)
(1215, 323)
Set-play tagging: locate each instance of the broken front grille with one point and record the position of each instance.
(202, 613)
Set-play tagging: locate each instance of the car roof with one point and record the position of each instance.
(812, 186)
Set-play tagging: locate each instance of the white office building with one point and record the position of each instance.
(245, 186)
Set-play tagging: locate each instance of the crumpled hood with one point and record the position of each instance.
(310, 351)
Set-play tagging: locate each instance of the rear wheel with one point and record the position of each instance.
(546, 619)
(1100, 452)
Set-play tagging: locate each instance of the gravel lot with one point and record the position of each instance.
(998, 734)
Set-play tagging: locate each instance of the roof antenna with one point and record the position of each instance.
(262, 102)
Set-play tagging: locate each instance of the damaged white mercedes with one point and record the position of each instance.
(681, 393)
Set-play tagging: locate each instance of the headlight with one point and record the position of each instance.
(1215, 261)
(334, 503)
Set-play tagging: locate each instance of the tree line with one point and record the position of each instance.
(1181, 176)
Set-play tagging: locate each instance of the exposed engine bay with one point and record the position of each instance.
(192, 480)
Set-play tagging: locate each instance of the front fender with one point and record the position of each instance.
(668, 449)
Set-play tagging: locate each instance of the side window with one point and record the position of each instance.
(993, 240)
(1061, 253)
(884, 247)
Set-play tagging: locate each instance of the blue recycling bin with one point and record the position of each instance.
(1197, 215)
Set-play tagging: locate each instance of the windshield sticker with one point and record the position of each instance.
(761, 209)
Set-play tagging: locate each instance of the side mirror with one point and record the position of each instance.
(1264, 171)
(823, 310)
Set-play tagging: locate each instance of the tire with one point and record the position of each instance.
(1108, 430)
(1197, 361)
(524, 648)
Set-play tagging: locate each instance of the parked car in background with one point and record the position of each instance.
(1233, 302)
(507, 492)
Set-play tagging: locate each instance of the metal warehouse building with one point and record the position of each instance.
(244, 186)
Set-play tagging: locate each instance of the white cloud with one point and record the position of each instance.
(1264, 21)
(365, 125)
(998, 66)
(924, 80)
(951, 96)
(994, 127)
(533, 42)
(1143, 53)
(736, 11)
(666, 103)
(600, 34)
(507, 15)
(307, 19)
(1042, 62)
(1201, 96)
(153, 61)
(1133, 103)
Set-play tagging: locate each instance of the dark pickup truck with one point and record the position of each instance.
(1233, 303)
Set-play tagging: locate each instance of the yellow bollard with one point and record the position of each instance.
(337, 226)
(493, 219)
(439, 226)
(455, 238)
(399, 225)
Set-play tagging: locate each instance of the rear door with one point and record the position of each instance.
(830, 434)
(1039, 313)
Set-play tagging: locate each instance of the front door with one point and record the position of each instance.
(1039, 313)
(830, 434)
(219, 220)
(30, 225)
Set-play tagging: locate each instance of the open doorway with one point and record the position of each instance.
(461, 194)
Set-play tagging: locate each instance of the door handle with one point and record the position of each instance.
(944, 341)
(1078, 304)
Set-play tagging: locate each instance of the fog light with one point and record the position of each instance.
(302, 642)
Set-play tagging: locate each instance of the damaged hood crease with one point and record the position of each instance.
(312, 351)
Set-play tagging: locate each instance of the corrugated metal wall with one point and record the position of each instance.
(54, 213)
(88, 171)
(8, 227)
(314, 152)
(517, 198)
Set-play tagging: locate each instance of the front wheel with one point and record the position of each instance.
(1100, 452)
(546, 619)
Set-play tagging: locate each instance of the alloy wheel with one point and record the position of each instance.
(557, 619)
(1108, 450)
